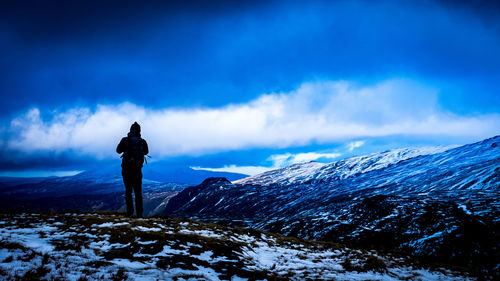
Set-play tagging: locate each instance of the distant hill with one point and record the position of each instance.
(99, 189)
(12, 181)
(161, 172)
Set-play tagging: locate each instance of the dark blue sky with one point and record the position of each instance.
(58, 56)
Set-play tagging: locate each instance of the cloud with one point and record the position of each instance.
(355, 144)
(316, 112)
(287, 159)
(246, 170)
(278, 161)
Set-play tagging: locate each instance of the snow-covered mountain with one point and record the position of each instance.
(439, 204)
(314, 172)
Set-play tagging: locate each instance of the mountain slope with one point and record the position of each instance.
(90, 246)
(441, 206)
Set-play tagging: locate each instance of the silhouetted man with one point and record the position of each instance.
(134, 148)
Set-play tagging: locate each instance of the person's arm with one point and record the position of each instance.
(146, 149)
(121, 146)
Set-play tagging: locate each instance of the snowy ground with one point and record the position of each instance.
(83, 246)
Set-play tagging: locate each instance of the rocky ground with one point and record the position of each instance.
(109, 246)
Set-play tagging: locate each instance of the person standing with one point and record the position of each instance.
(134, 149)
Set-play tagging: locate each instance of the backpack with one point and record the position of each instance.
(134, 156)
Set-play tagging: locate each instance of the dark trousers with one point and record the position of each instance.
(132, 178)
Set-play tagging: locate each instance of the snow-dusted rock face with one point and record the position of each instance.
(93, 246)
(314, 172)
(440, 205)
(297, 173)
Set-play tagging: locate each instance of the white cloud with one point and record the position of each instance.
(247, 170)
(318, 112)
(278, 161)
(355, 144)
(287, 159)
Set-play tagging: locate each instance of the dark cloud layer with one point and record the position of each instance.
(487, 10)
(38, 21)
(180, 53)
(157, 54)
(90, 51)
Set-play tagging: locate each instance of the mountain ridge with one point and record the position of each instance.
(314, 171)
